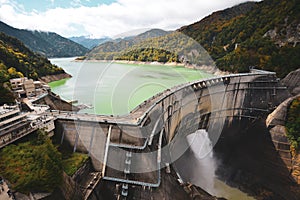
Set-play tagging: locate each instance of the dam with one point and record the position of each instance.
(138, 149)
(132, 149)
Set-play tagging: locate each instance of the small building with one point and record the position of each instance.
(29, 87)
(16, 83)
(25, 87)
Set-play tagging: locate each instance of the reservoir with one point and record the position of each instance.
(114, 88)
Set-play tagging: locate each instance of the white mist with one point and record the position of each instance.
(202, 147)
(202, 173)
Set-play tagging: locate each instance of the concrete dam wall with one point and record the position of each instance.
(133, 148)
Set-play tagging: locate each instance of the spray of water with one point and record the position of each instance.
(202, 147)
(198, 167)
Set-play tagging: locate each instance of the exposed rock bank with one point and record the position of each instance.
(292, 81)
(57, 77)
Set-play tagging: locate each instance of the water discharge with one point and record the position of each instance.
(201, 146)
(204, 165)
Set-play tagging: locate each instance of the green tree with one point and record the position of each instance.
(32, 166)
(13, 73)
(293, 123)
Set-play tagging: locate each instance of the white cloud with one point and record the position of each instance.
(113, 19)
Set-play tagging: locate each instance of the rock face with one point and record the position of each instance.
(279, 115)
(292, 81)
(285, 34)
(276, 123)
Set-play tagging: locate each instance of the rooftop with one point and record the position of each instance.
(8, 110)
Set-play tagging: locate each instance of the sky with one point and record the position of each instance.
(106, 18)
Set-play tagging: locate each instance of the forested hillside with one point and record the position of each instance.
(266, 37)
(164, 48)
(149, 54)
(46, 43)
(35, 165)
(16, 60)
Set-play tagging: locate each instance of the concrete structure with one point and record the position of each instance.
(11, 119)
(29, 87)
(16, 83)
(131, 149)
(25, 87)
(15, 124)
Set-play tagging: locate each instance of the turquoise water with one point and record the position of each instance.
(114, 88)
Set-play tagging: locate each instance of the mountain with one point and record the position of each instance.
(165, 48)
(16, 60)
(89, 42)
(108, 50)
(262, 34)
(150, 34)
(265, 36)
(46, 43)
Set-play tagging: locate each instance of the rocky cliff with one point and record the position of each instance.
(292, 82)
(276, 122)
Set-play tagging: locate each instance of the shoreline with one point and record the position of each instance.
(208, 69)
(56, 77)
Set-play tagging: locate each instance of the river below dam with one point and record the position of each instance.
(109, 88)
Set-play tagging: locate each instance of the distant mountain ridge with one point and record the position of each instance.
(108, 50)
(89, 42)
(48, 44)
